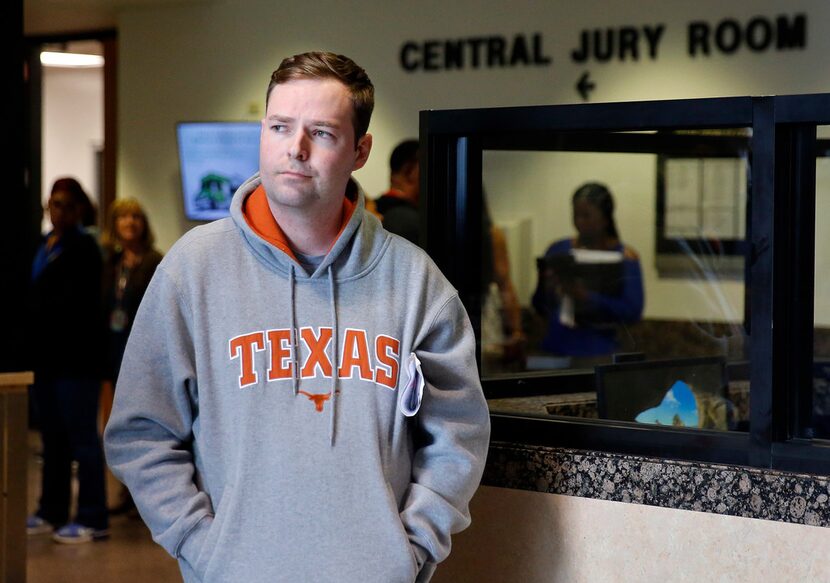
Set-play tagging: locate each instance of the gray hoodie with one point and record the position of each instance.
(279, 425)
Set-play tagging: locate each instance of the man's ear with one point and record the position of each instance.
(413, 172)
(364, 146)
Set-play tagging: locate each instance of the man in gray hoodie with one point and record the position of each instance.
(299, 399)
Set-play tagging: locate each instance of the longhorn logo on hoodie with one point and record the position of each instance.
(378, 362)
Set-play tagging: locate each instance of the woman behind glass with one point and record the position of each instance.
(582, 319)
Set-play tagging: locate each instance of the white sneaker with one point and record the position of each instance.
(74, 533)
(36, 525)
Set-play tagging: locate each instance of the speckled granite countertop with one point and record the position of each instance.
(736, 491)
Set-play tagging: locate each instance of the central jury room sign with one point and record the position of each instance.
(729, 36)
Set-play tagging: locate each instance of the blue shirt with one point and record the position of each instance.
(599, 338)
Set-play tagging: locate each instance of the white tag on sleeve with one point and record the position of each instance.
(413, 392)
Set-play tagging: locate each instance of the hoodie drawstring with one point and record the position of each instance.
(291, 285)
(334, 357)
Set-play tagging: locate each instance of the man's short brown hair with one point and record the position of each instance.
(323, 65)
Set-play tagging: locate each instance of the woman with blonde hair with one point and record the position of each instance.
(130, 259)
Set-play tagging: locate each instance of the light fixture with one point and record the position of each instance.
(56, 59)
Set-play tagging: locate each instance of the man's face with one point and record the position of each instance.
(307, 147)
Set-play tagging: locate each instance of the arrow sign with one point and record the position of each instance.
(585, 85)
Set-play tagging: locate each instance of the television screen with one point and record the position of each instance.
(215, 158)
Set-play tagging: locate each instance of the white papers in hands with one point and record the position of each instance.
(596, 256)
(566, 312)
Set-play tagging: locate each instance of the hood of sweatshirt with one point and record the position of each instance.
(354, 251)
(208, 434)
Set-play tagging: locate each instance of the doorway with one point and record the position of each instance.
(71, 113)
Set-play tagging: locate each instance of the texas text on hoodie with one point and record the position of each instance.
(270, 422)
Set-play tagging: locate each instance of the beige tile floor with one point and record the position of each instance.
(128, 556)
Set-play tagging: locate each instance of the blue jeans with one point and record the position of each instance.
(67, 414)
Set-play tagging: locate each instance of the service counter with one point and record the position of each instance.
(707, 487)
(703, 487)
(13, 430)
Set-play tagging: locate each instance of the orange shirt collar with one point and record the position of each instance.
(258, 215)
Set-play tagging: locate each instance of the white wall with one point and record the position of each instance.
(73, 127)
(213, 60)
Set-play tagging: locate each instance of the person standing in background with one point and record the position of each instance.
(503, 341)
(398, 206)
(67, 341)
(129, 263)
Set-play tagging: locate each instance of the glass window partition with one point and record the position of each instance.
(718, 202)
(613, 265)
(706, 224)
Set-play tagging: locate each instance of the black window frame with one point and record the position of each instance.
(779, 265)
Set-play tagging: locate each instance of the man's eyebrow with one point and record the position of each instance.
(326, 124)
(316, 123)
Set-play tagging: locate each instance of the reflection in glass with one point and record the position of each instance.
(692, 393)
(502, 331)
(591, 286)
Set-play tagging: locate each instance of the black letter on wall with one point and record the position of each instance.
(698, 38)
(758, 34)
(454, 54)
(407, 63)
(792, 35)
(728, 36)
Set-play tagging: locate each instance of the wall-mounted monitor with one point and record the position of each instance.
(215, 158)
